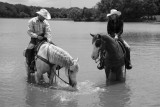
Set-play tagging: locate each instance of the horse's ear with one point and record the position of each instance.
(77, 60)
(98, 36)
(92, 35)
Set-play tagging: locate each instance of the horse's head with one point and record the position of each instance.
(97, 45)
(71, 72)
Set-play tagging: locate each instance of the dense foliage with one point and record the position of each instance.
(133, 10)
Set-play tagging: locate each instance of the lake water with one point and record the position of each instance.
(141, 89)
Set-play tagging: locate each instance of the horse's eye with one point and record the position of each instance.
(98, 43)
(70, 71)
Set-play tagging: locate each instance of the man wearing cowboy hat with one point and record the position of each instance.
(38, 29)
(115, 29)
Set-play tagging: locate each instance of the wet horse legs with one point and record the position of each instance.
(52, 71)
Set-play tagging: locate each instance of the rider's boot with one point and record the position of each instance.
(30, 59)
(128, 61)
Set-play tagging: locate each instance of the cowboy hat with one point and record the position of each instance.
(44, 13)
(114, 11)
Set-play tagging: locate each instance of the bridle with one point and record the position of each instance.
(102, 47)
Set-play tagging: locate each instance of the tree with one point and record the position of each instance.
(150, 8)
(87, 14)
(75, 14)
(131, 9)
(23, 15)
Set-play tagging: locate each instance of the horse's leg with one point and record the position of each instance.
(118, 72)
(107, 71)
(38, 76)
(28, 72)
(53, 70)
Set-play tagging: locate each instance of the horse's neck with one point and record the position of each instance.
(112, 47)
(110, 44)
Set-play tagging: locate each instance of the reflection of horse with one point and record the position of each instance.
(114, 55)
(49, 57)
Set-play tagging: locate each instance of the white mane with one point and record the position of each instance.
(60, 57)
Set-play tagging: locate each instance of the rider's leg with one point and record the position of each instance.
(30, 54)
(128, 60)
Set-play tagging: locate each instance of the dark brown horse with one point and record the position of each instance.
(114, 55)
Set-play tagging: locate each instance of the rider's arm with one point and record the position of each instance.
(47, 31)
(120, 30)
(109, 28)
(31, 29)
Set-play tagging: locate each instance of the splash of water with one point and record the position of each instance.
(67, 93)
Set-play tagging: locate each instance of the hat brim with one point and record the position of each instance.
(117, 13)
(46, 17)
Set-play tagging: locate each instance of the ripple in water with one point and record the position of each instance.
(67, 93)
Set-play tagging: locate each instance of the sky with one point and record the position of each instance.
(55, 3)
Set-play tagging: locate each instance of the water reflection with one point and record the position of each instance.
(143, 78)
(39, 96)
(116, 95)
(141, 88)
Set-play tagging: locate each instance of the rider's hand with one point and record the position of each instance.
(42, 34)
(49, 40)
(116, 36)
(40, 37)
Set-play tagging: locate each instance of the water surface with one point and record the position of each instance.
(141, 88)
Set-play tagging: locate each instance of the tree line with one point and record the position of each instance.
(132, 10)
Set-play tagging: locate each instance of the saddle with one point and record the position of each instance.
(122, 46)
(126, 54)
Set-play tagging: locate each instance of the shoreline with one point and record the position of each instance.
(68, 19)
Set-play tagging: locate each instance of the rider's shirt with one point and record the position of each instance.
(115, 27)
(37, 28)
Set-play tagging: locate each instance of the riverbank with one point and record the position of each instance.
(62, 19)
(68, 19)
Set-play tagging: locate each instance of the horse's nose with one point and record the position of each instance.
(74, 84)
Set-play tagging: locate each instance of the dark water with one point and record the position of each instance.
(141, 88)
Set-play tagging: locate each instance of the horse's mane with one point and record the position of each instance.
(103, 36)
(60, 57)
(106, 37)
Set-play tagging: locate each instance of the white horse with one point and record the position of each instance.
(49, 57)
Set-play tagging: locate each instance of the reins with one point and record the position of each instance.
(101, 50)
(61, 78)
